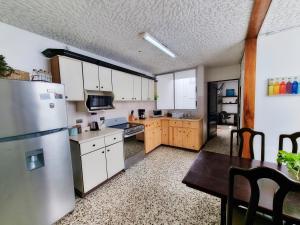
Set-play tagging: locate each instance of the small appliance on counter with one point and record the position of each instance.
(94, 126)
(157, 113)
(177, 115)
(141, 113)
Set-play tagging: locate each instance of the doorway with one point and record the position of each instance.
(223, 111)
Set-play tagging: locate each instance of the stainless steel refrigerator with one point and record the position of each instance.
(36, 181)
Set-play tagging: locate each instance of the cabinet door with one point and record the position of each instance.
(105, 79)
(165, 91)
(157, 136)
(178, 136)
(93, 169)
(71, 76)
(122, 85)
(145, 89)
(151, 90)
(165, 132)
(191, 138)
(171, 136)
(115, 159)
(137, 88)
(90, 76)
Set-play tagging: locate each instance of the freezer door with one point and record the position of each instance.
(29, 107)
(36, 180)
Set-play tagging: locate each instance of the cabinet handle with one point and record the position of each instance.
(115, 138)
(101, 86)
(97, 86)
(66, 96)
(94, 145)
(122, 98)
(102, 151)
(107, 150)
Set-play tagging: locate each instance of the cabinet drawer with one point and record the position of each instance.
(191, 124)
(175, 123)
(91, 146)
(109, 140)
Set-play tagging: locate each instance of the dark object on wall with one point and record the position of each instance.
(51, 52)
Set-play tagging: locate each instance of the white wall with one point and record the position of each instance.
(22, 50)
(222, 73)
(277, 55)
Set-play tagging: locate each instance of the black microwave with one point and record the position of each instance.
(99, 102)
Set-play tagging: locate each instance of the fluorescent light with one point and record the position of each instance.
(157, 44)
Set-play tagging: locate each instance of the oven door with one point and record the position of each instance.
(134, 150)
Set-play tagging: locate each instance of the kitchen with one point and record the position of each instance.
(106, 113)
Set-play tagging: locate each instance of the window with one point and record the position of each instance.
(185, 89)
(177, 90)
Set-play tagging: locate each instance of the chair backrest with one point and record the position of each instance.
(293, 137)
(253, 175)
(241, 132)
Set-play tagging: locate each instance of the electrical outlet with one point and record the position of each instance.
(79, 121)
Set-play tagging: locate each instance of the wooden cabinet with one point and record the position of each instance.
(152, 135)
(115, 159)
(68, 71)
(165, 132)
(105, 80)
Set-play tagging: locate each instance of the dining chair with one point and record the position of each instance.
(241, 132)
(250, 216)
(293, 137)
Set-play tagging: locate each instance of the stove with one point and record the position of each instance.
(134, 150)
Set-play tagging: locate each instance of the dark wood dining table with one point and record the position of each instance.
(209, 173)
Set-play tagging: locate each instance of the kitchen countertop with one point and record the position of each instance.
(152, 119)
(92, 135)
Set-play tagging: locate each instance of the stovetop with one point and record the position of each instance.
(125, 126)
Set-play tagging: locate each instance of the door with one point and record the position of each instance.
(151, 90)
(137, 88)
(212, 109)
(36, 179)
(93, 169)
(90, 76)
(71, 77)
(105, 79)
(122, 85)
(145, 89)
(115, 159)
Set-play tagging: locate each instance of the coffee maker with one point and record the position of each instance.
(141, 113)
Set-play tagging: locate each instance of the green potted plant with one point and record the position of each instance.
(5, 70)
(292, 161)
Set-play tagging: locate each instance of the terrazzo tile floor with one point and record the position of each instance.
(150, 192)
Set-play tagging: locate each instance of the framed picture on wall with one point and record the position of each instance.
(283, 86)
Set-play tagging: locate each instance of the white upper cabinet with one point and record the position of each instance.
(90, 76)
(105, 79)
(185, 89)
(151, 90)
(137, 88)
(145, 89)
(165, 91)
(122, 85)
(70, 72)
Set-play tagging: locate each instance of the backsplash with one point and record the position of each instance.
(122, 109)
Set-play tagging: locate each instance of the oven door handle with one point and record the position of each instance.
(133, 134)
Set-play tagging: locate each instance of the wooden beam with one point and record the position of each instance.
(259, 12)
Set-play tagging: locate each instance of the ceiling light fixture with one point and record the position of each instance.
(157, 44)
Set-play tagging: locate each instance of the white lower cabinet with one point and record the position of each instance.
(93, 169)
(114, 158)
(91, 166)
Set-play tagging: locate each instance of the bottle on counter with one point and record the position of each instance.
(282, 87)
(289, 86)
(271, 87)
(276, 87)
(295, 86)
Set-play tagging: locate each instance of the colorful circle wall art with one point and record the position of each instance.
(284, 86)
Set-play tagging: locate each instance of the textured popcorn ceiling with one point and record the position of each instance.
(282, 14)
(209, 32)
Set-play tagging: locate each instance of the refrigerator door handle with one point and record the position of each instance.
(34, 159)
